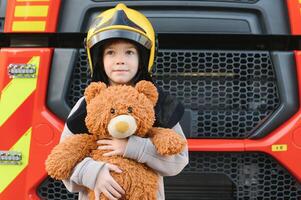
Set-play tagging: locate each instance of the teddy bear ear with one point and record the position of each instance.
(149, 90)
(93, 89)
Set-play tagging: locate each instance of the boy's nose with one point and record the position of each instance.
(120, 60)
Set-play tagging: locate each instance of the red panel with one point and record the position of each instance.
(4, 79)
(51, 19)
(215, 145)
(294, 11)
(46, 128)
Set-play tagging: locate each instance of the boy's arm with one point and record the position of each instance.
(143, 150)
(84, 173)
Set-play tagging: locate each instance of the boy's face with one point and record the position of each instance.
(120, 61)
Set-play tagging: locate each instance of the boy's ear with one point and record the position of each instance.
(93, 89)
(149, 90)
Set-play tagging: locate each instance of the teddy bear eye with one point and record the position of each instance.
(130, 109)
(112, 110)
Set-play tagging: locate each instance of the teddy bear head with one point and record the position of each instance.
(121, 110)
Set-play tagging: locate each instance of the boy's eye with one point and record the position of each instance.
(130, 109)
(110, 52)
(112, 110)
(130, 52)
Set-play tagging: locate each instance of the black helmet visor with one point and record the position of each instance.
(119, 34)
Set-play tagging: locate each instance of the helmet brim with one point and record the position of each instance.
(119, 34)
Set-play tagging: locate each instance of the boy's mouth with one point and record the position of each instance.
(120, 70)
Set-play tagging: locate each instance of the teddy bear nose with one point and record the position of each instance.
(122, 126)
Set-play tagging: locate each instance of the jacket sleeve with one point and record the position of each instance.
(143, 150)
(84, 173)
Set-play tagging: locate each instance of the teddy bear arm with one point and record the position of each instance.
(167, 141)
(64, 157)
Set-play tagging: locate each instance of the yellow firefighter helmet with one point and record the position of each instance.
(121, 22)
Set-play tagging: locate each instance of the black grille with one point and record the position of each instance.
(229, 93)
(51, 189)
(254, 176)
(80, 78)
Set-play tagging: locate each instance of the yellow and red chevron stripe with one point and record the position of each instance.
(25, 123)
(16, 92)
(31, 15)
(15, 100)
(9, 173)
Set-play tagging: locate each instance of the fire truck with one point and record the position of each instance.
(242, 107)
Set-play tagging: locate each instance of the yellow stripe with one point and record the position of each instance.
(279, 147)
(29, 25)
(16, 92)
(9, 172)
(31, 11)
(299, 1)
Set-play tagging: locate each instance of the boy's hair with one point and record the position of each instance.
(98, 67)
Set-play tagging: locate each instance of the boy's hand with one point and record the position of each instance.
(117, 146)
(106, 184)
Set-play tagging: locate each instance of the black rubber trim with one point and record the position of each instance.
(288, 90)
(60, 75)
(200, 41)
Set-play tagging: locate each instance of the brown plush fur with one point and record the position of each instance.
(67, 154)
(166, 141)
(138, 180)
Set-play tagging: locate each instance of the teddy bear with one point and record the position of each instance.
(117, 111)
